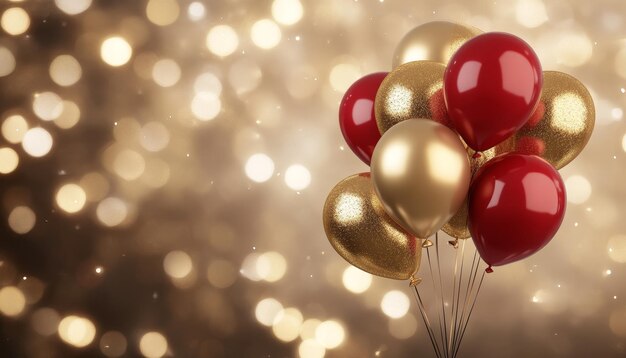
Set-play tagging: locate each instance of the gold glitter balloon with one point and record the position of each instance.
(562, 124)
(421, 174)
(413, 90)
(433, 41)
(457, 226)
(364, 235)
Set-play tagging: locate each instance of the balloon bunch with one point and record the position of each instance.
(465, 134)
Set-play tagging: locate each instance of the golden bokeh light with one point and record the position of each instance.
(395, 304)
(12, 301)
(286, 325)
(115, 51)
(356, 280)
(196, 11)
(617, 248)
(77, 331)
(162, 12)
(206, 106)
(113, 344)
(69, 117)
(297, 177)
(267, 310)
(95, 185)
(271, 266)
(129, 164)
(37, 142)
(65, 70)
(265, 34)
(166, 72)
(153, 345)
(154, 136)
(259, 167)
(311, 348)
(222, 40)
(47, 105)
(578, 189)
(15, 21)
(177, 264)
(287, 12)
(73, 7)
(112, 211)
(8, 160)
(71, 198)
(308, 328)
(14, 128)
(330, 334)
(221, 273)
(45, 321)
(7, 61)
(22, 219)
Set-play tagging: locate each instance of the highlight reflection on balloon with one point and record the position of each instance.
(413, 90)
(421, 174)
(562, 124)
(364, 235)
(433, 41)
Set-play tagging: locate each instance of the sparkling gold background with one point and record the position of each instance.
(161, 192)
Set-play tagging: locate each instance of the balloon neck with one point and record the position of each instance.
(476, 155)
(414, 281)
(489, 269)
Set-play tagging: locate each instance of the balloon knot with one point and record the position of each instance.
(454, 243)
(415, 281)
(476, 155)
(489, 269)
(427, 243)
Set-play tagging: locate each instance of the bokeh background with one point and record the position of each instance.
(163, 165)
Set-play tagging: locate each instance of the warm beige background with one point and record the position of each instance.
(172, 235)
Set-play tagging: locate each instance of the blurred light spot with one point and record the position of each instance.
(330, 334)
(47, 105)
(73, 7)
(222, 40)
(395, 304)
(259, 167)
(69, 117)
(531, 13)
(8, 160)
(267, 310)
(297, 177)
(111, 211)
(617, 248)
(71, 198)
(65, 70)
(356, 280)
(209, 83)
(13, 128)
(308, 328)
(624, 143)
(617, 322)
(45, 321)
(177, 264)
(129, 165)
(271, 266)
(12, 301)
(310, 348)
(244, 76)
(162, 12)
(154, 136)
(404, 327)
(196, 11)
(15, 21)
(343, 76)
(7, 62)
(32, 288)
(265, 34)
(249, 267)
(113, 344)
(287, 12)
(166, 72)
(221, 273)
(153, 345)
(22, 219)
(574, 50)
(286, 325)
(205, 106)
(77, 331)
(95, 185)
(115, 51)
(37, 142)
(578, 189)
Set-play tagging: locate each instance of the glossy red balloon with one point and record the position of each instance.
(491, 88)
(356, 116)
(516, 205)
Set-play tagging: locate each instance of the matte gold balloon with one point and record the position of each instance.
(562, 124)
(421, 174)
(433, 41)
(413, 90)
(364, 235)
(457, 226)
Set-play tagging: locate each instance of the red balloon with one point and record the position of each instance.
(516, 205)
(356, 116)
(491, 88)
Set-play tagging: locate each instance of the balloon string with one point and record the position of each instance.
(432, 275)
(456, 290)
(454, 301)
(470, 313)
(443, 306)
(470, 286)
(429, 327)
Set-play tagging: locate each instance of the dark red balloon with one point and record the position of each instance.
(356, 116)
(491, 88)
(516, 205)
